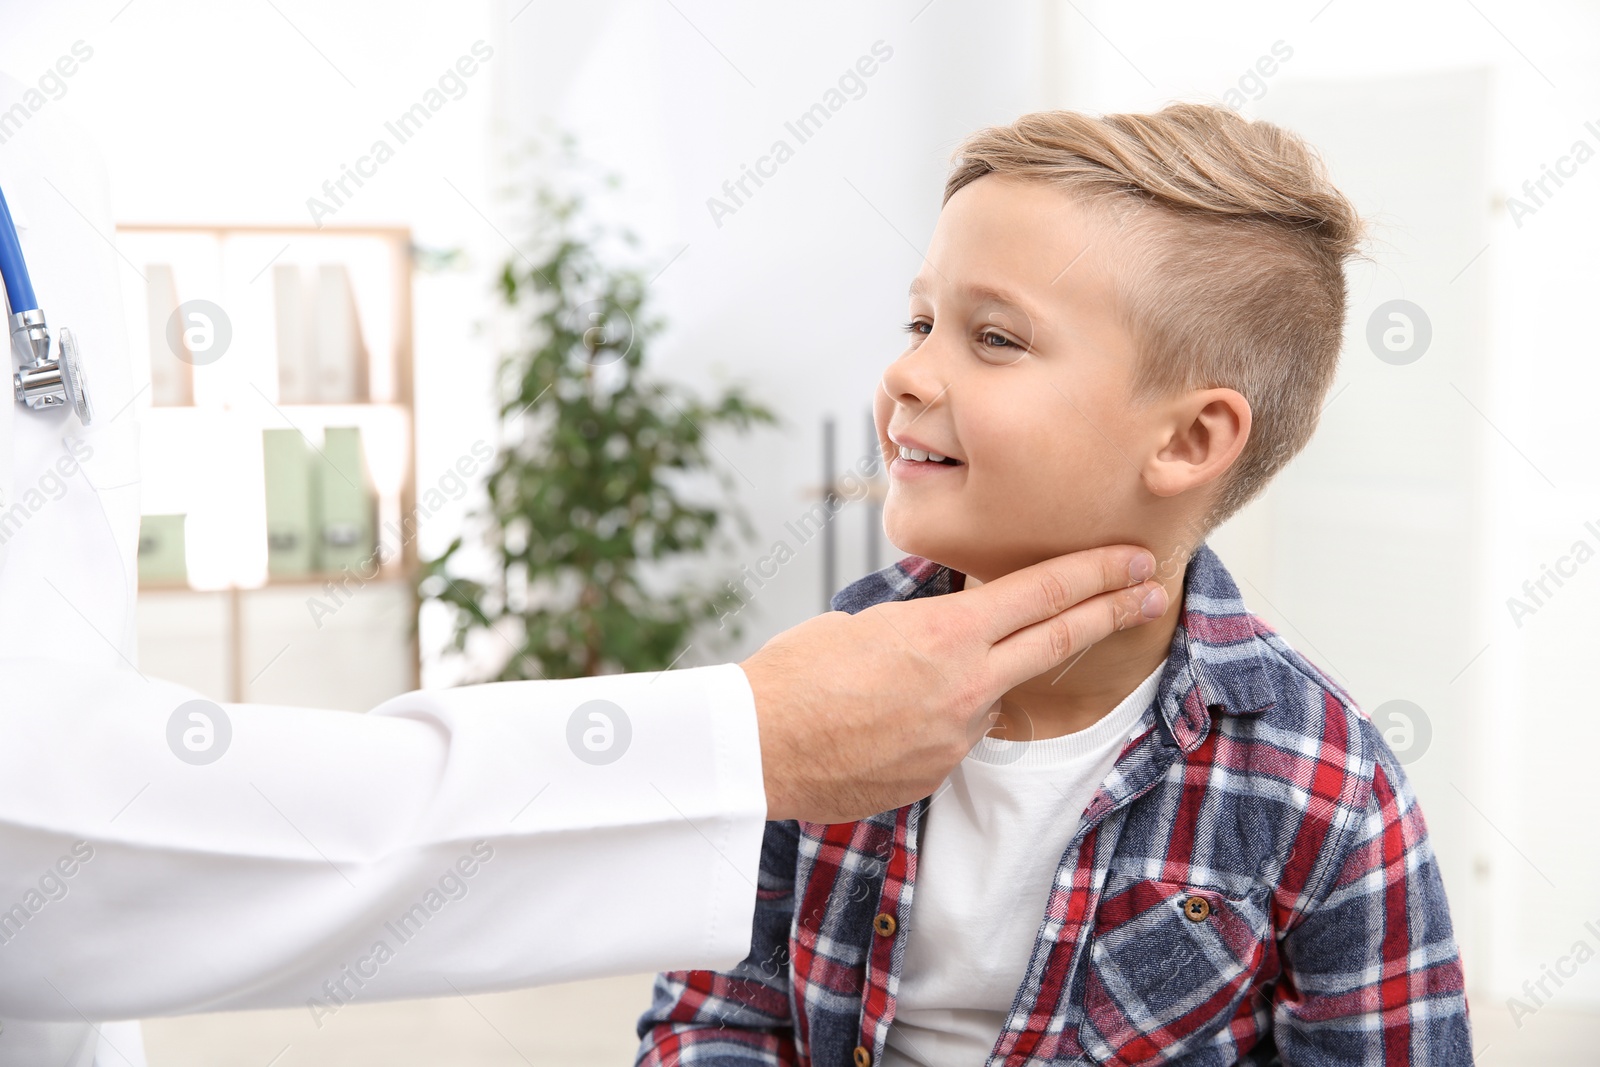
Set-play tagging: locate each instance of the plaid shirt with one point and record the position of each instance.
(1252, 884)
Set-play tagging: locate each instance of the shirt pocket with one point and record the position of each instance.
(1167, 967)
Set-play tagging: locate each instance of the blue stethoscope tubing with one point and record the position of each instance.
(19, 287)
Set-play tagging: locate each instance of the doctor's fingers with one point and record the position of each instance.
(1037, 648)
(1035, 594)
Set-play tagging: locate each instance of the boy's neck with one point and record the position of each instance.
(1075, 695)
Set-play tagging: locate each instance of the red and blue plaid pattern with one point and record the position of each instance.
(1252, 884)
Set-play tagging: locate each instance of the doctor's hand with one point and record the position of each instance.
(862, 713)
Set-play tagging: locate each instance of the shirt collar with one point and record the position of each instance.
(1219, 655)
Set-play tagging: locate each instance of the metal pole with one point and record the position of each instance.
(830, 500)
(874, 509)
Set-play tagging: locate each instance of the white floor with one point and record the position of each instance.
(589, 1024)
(1550, 1038)
(577, 1025)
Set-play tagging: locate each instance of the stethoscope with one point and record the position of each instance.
(42, 382)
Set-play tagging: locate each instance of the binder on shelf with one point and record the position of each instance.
(291, 318)
(336, 331)
(171, 374)
(291, 541)
(322, 358)
(161, 550)
(345, 502)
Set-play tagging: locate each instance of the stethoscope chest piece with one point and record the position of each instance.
(43, 381)
(73, 377)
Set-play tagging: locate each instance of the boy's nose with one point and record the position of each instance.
(916, 379)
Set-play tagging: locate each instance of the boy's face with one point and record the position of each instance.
(1019, 371)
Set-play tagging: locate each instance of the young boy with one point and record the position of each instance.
(1187, 846)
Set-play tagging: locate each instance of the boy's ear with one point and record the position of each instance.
(1202, 436)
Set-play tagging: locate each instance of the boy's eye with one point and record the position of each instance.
(987, 338)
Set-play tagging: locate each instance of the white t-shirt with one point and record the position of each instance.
(990, 845)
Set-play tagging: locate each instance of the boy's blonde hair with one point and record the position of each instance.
(1236, 276)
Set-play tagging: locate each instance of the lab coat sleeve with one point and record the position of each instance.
(447, 842)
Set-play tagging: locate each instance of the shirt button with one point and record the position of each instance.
(863, 1057)
(884, 924)
(1197, 909)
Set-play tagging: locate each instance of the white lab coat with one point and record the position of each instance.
(446, 842)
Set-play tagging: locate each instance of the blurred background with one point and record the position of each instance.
(340, 187)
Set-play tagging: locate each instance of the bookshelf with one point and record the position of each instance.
(247, 338)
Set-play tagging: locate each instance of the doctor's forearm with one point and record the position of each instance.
(449, 841)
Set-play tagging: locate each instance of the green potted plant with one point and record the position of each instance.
(599, 486)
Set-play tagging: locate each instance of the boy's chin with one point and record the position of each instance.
(985, 564)
(949, 553)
